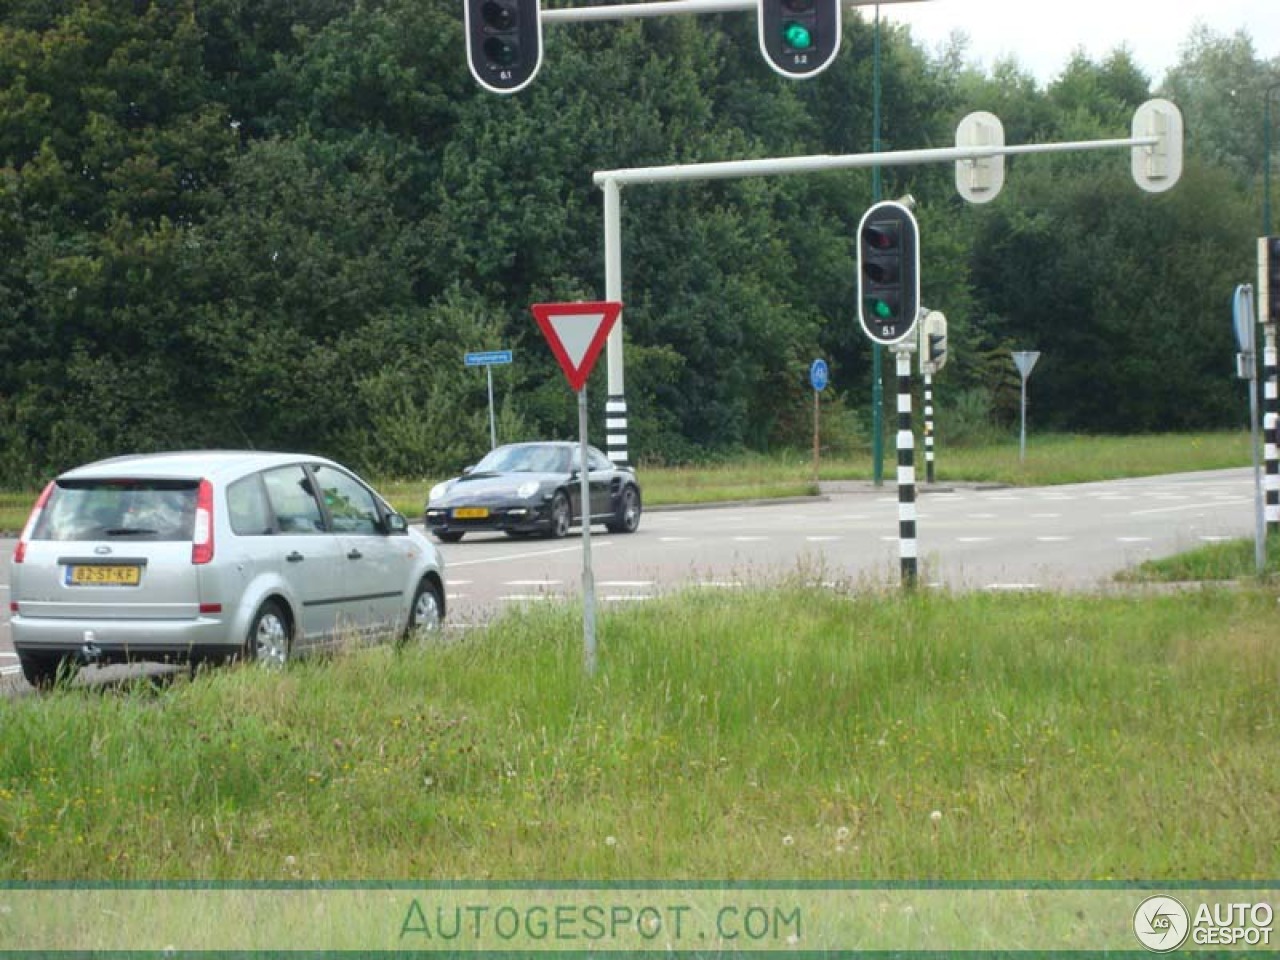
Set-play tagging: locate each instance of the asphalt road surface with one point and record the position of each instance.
(1073, 537)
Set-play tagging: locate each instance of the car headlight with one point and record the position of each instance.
(528, 489)
(437, 491)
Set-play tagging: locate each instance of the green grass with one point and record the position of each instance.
(1229, 560)
(789, 734)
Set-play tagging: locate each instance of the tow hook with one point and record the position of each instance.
(90, 652)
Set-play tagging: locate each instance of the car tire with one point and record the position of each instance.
(424, 612)
(627, 517)
(268, 640)
(42, 671)
(561, 516)
(446, 536)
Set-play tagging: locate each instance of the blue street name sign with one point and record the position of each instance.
(488, 357)
(818, 374)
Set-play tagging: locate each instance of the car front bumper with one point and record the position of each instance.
(516, 518)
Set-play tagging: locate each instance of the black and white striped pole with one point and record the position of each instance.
(907, 550)
(933, 354)
(1268, 306)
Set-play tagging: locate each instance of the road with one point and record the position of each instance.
(1071, 537)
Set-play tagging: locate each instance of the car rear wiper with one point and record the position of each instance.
(129, 532)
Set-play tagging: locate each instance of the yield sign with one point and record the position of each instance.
(576, 333)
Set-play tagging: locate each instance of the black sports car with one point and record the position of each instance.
(534, 488)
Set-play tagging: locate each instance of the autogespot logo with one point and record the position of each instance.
(1161, 924)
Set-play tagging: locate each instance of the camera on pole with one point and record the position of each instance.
(504, 42)
(888, 272)
(799, 38)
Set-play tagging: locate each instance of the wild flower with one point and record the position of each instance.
(788, 841)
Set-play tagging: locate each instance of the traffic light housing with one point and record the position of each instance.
(799, 38)
(504, 42)
(888, 272)
(1269, 280)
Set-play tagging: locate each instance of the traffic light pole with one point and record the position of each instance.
(612, 182)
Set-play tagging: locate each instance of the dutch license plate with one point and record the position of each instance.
(104, 574)
(471, 513)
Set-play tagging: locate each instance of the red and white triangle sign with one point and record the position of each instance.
(576, 333)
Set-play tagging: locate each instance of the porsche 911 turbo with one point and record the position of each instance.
(528, 489)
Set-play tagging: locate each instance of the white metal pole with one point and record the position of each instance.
(588, 578)
(493, 424)
(1022, 443)
(616, 400)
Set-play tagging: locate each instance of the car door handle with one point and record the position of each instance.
(354, 554)
(295, 557)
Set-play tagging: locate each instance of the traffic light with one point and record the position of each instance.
(888, 272)
(504, 42)
(799, 38)
(933, 341)
(1269, 279)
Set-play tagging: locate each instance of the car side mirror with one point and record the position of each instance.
(466, 470)
(395, 523)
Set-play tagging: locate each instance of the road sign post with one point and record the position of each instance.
(1242, 318)
(576, 333)
(487, 359)
(818, 378)
(1025, 361)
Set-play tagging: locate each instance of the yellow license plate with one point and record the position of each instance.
(113, 575)
(471, 513)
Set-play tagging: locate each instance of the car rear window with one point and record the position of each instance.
(119, 509)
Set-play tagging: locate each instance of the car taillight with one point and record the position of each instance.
(202, 536)
(20, 553)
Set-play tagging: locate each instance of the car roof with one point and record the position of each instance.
(189, 464)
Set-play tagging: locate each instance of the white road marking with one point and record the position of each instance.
(528, 596)
(1053, 539)
(10, 671)
(974, 539)
(6, 653)
(1045, 516)
(532, 583)
(1134, 539)
(750, 539)
(527, 556)
(627, 596)
(674, 539)
(1186, 506)
(719, 584)
(1209, 538)
(625, 583)
(982, 516)
(821, 539)
(1012, 586)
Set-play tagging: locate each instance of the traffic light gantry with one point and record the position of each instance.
(504, 42)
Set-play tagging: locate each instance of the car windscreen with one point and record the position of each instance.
(532, 459)
(119, 509)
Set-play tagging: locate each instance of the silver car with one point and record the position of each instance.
(213, 555)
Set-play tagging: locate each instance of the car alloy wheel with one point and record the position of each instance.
(560, 516)
(268, 640)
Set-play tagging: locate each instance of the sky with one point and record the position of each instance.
(1043, 34)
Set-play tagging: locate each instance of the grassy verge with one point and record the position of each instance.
(1230, 560)
(792, 734)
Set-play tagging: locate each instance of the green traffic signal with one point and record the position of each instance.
(797, 35)
(882, 309)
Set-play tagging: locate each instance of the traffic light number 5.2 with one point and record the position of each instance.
(799, 59)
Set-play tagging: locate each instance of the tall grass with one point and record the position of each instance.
(788, 734)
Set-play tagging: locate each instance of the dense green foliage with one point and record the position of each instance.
(281, 223)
